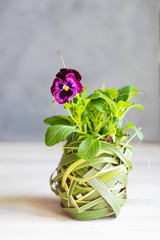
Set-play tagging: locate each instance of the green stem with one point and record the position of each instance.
(70, 114)
(89, 125)
(85, 127)
(79, 99)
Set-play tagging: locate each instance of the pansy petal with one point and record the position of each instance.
(57, 85)
(58, 98)
(62, 96)
(71, 81)
(77, 75)
(64, 71)
(69, 94)
(80, 87)
(73, 84)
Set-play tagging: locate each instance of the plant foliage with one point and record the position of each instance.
(92, 175)
(93, 119)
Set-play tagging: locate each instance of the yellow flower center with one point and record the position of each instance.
(66, 88)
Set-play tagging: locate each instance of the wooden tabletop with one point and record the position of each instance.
(29, 210)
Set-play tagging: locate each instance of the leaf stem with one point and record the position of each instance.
(130, 139)
(70, 114)
(61, 58)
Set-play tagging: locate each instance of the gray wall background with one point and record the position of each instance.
(111, 41)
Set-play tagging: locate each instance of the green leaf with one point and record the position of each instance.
(105, 129)
(94, 95)
(127, 93)
(58, 133)
(139, 133)
(111, 92)
(106, 100)
(138, 106)
(67, 105)
(89, 148)
(100, 104)
(58, 120)
(133, 92)
(123, 107)
(83, 94)
(84, 114)
(100, 125)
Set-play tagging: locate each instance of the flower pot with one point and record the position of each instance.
(92, 175)
(95, 188)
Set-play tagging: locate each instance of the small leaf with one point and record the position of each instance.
(105, 129)
(127, 93)
(94, 95)
(89, 148)
(133, 93)
(123, 93)
(123, 108)
(67, 105)
(84, 114)
(112, 92)
(138, 106)
(58, 133)
(58, 120)
(100, 104)
(139, 133)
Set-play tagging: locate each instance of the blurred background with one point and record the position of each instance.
(112, 42)
(115, 42)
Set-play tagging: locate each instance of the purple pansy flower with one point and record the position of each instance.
(66, 85)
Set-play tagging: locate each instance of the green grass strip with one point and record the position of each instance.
(103, 190)
(110, 147)
(71, 189)
(70, 169)
(111, 174)
(89, 215)
(95, 161)
(106, 194)
(68, 159)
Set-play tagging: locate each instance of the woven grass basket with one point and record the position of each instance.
(94, 188)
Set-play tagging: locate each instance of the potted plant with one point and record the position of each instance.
(92, 174)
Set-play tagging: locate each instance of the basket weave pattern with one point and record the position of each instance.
(94, 188)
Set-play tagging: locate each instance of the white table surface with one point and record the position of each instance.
(29, 210)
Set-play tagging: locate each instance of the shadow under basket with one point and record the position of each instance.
(92, 189)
